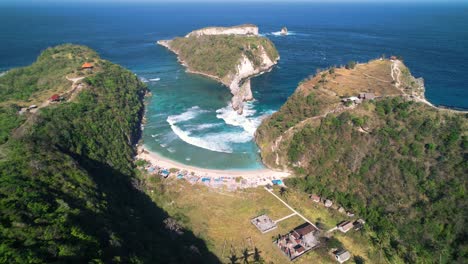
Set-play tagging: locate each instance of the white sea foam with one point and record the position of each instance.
(155, 79)
(171, 150)
(143, 79)
(163, 145)
(246, 121)
(219, 142)
(290, 33)
(203, 126)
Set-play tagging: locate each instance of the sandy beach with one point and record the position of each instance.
(158, 160)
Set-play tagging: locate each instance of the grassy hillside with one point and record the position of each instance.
(68, 191)
(399, 164)
(219, 55)
(34, 84)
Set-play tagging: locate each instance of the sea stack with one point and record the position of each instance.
(284, 31)
(230, 55)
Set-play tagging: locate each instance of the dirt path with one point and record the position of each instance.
(290, 208)
(338, 109)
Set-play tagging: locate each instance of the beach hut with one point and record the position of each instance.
(277, 182)
(206, 180)
(165, 173)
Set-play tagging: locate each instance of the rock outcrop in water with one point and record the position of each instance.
(230, 55)
(284, 31)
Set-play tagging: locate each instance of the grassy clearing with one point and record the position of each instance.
(222, 219)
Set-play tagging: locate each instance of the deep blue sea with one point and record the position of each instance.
(189, 119)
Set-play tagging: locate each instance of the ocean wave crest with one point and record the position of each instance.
(219, 142)
(247, 121)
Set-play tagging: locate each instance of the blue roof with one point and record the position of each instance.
(277, 182)
(206, 179)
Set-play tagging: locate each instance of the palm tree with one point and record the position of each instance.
(256, 255)
(245, 256)
(233, 258)
(283, 191)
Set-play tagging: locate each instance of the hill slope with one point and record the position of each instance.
(68, 189)
(397, 162)
(229, 55)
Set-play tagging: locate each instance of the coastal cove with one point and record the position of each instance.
(189, 119)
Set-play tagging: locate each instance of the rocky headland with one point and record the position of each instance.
(230, 55)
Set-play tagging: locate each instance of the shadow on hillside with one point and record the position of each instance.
(136, 219)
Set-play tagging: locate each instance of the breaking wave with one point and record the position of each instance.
(219, 142)
(290, 33)
(247, 121)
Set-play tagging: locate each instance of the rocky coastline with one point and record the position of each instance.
(238, 82)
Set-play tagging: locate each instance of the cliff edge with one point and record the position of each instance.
(230, 55)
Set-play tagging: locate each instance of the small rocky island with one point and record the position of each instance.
(230, 55)
(284, 31)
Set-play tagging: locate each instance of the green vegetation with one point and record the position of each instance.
(46, 74)
(68, 189)
(219, 55)
(398, 164)
(351, 65)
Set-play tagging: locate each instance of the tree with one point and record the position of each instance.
(283, 191)
(350, 65)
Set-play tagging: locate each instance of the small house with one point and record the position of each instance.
(87, 65)
(315, 198)
(54, 98)
(341, 210)
(342, 255)
(352, 99)
(366, 96)
(32, 107)
(345, 226)
(393, 58)
(328, 203)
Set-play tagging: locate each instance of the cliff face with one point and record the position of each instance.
(237, 30)
(394, 160)
(231, 56)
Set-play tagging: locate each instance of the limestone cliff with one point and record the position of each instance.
(236, 30)
(231, 56)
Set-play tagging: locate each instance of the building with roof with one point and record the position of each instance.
(345, 226)
(342, 255)
(299, 241)
(366, 96)
(328, 203)
(263, 223)
(54, 98)
(315, 198)
(87, 65)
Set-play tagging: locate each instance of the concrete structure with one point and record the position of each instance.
(315, 198)
(328, 203)
(345, 226)
(342, 255)
(366, 96)
(299, 241)
(263, 223)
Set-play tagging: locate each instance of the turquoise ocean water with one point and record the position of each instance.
(189, 117)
